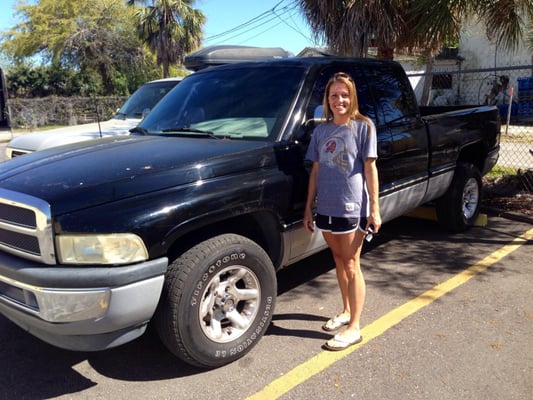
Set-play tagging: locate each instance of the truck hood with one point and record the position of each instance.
(72, 134)
(86, 174)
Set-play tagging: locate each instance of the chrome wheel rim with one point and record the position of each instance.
(470, 198)
(229, 304)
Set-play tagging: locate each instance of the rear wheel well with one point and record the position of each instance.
(474, 154)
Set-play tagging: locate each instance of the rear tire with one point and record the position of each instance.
(458, 208)
(217, 301)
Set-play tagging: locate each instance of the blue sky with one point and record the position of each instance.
(264, 23)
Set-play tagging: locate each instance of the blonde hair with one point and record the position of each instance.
(343, 77)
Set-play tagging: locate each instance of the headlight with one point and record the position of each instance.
(114, 248)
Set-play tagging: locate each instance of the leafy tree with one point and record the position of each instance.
(21, 80)
(171, 28)
(27, 80)
(96, 39)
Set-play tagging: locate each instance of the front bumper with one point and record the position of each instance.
(82, 308)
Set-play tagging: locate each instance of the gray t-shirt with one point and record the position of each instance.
(341, 151)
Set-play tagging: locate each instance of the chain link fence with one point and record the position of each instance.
(61, 111)
(509, 88)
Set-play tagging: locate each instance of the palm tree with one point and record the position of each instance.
(440, 20)
(507, 20)
(348, 26)
(530, 41)
(171, 28)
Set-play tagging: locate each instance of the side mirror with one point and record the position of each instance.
(309, 125)
(318, 118)
(319, 113)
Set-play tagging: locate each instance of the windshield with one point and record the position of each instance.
(237, 103)
(145, 98)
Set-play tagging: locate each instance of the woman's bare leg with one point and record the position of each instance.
(346, 249)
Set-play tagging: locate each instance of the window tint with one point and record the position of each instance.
(247, 103)
(390, 90)
(145, 98)
(441, 81)
(366, 106)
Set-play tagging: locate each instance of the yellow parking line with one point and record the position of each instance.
(325, 359)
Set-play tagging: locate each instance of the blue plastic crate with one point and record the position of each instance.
(525, 96)
(525, 109)
(503, 109)
(525, 83)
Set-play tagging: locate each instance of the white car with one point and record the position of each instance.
(127, 117)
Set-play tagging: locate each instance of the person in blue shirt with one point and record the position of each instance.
(343, 185)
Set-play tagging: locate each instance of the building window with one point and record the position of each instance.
(442, 81)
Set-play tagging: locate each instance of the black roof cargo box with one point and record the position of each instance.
(226, 54)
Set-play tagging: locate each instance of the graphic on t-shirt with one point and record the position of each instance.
(335, 154)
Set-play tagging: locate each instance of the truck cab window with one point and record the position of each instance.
(392, 98)
(366, 106)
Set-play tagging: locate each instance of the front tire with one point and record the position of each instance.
(217, 301)
(458, 208)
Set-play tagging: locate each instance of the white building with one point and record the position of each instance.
(460, 79)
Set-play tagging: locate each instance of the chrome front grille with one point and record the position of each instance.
(25, 227)
(20, 241)
(17, 215)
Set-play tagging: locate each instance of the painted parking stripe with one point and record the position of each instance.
(325, 359)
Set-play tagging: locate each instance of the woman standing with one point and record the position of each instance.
(344, 184)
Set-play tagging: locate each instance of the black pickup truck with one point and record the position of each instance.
(185, 223)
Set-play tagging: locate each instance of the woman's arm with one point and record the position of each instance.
(311, 196)
(372, 185)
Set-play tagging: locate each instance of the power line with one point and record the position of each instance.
(294, 8)
(242, 26)
(268, 20)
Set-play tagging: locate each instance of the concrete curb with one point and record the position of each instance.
(509, 215)
(429, 213)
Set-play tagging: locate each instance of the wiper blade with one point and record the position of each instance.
(139, 130)
(191, 130)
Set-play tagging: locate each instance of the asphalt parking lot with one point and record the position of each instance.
(447, 317)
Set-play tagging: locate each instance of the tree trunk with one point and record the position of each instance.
(106, 80)
(385, 53)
